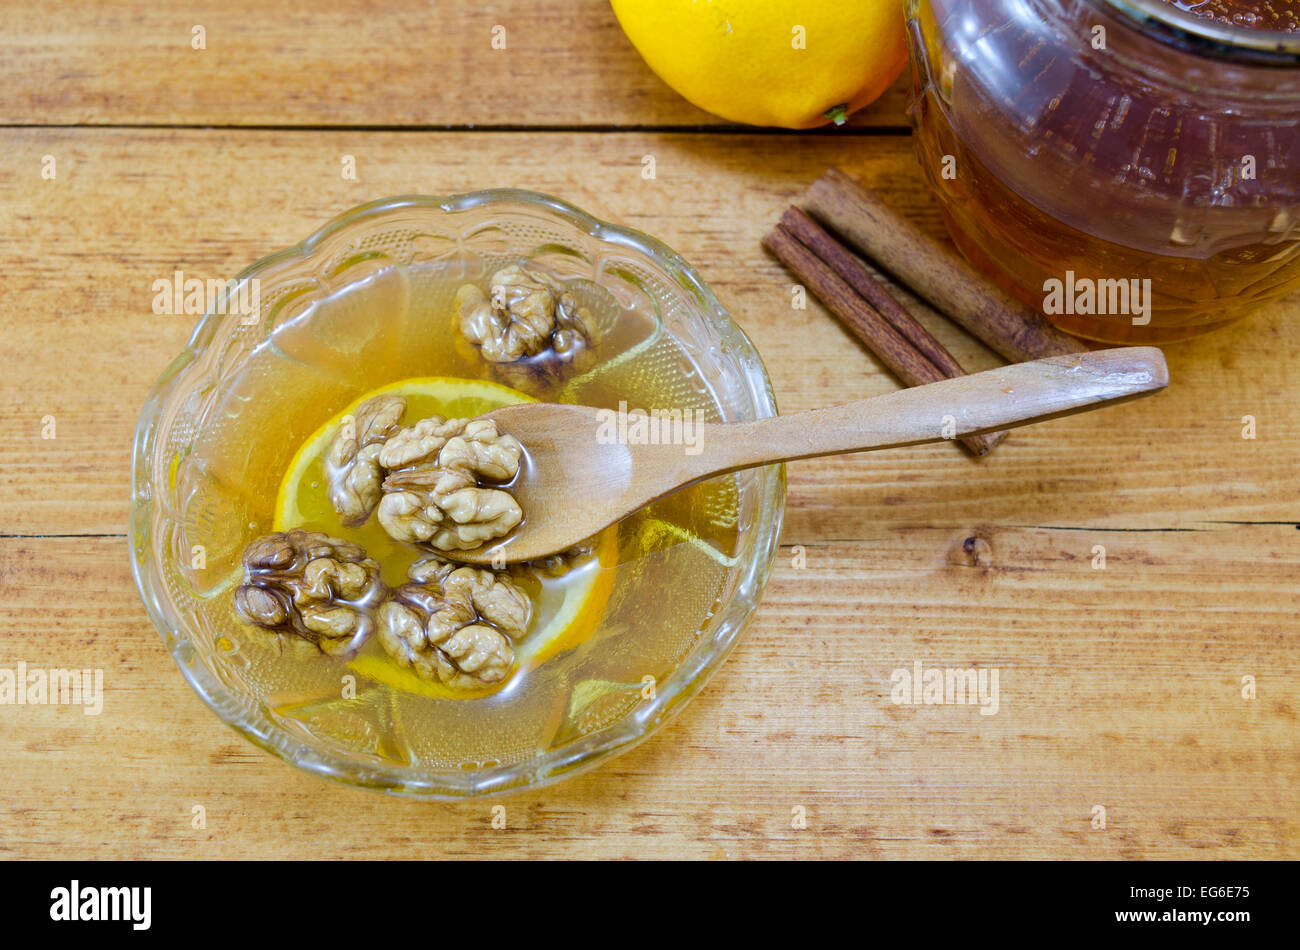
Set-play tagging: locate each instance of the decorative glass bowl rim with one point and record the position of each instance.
(688, 678)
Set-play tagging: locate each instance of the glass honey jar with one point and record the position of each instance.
(1130, 167)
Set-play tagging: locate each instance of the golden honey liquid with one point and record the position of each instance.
(1134, 201)
(666, 572)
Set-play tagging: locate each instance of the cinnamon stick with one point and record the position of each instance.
(816, 238)
(853, 272)
(934, 272)
(902, 359)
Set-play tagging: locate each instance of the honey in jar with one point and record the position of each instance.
(1133, 143)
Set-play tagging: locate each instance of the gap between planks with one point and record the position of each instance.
(827, 132)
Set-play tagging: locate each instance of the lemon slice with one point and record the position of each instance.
(560, 626)
(425, 396)
(566, 612)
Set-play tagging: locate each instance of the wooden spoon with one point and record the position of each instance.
(581, 474)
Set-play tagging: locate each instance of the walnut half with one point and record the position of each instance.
(306, 583)
(434, 493)
(352, 465)
(525, 312)
(454, 624)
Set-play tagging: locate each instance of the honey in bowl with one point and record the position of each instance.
(1071, 145)
(603, 629)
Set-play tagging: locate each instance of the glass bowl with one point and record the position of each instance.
(191, 517)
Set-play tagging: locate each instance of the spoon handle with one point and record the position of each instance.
(1002, 398)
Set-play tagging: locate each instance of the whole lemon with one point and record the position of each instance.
(771, 62)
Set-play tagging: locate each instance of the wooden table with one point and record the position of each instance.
(1120, 687)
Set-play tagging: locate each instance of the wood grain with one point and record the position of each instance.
(347, 62)
(1120, 687)
(84, 346)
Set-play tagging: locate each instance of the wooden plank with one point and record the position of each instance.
(81, 343)
(353, 62)
(1118, 687)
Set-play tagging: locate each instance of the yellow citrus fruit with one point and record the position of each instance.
(302, 500)
(771, 62)
(565, 614)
